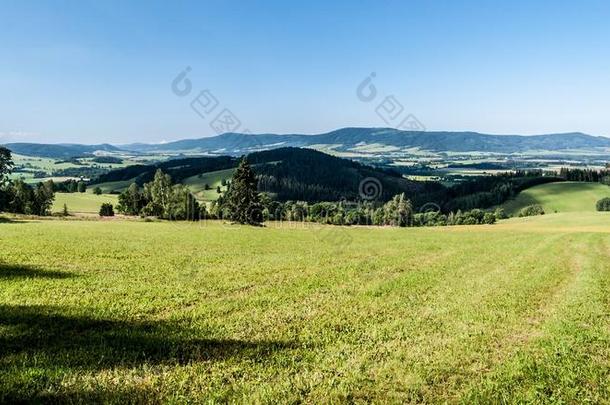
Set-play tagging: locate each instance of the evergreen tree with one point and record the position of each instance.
(106, 210)
(242, 197)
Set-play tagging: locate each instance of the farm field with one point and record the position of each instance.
(88, 203)
(129, 311)
(560, 197)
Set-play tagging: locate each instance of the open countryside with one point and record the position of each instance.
(427, 314)
(236, 202)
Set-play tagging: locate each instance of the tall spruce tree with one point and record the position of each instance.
(242, 196)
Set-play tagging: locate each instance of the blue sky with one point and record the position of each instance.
(101, 71)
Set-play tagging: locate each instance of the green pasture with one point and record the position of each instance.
(158, 312)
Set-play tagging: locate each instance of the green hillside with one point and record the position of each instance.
(288, 173)
(560, 197)
(114, 186)
(213, 179)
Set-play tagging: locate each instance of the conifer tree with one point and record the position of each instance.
(242, 196)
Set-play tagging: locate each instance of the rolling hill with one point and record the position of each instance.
(213, 179)
(560, 197)
(287, 173)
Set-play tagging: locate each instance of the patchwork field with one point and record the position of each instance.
(560, 197)
(129, 311)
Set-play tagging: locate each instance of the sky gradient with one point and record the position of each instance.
(93, 72)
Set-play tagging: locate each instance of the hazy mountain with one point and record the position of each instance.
(352, 140)
(58, 151)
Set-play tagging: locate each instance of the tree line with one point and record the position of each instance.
(585, 175)
(243, 203)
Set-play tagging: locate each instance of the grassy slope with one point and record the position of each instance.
(82, 202)
(213, 179)
(195, 183)
(170, 312)
(560, 197)
(113, 186)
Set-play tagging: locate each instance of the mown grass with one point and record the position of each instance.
(82, 202)
(560, 197)
(162, 312)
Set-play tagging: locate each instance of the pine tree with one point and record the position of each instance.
(242, 197)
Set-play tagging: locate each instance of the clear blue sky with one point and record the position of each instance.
(101, 71)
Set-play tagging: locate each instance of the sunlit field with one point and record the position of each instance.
(82, 202)
(560, 197)
(155, 311)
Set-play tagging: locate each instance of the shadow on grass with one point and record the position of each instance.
(12, 271)
(21, 219)
(47, 338)
(86, 342)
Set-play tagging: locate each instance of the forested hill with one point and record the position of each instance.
(287, 173)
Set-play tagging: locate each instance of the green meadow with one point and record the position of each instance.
(213, 179)
(560, 197)
(133, 311)
(85, 203)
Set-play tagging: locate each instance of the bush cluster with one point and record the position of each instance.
(603, 204)
(531, 210)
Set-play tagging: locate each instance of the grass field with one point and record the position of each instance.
(560, 197)
(195, 183)
(113, 186)
(82, 202)
(213, 179)
(129, 311)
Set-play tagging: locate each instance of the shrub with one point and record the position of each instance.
(531, 210)
(106, 210)
(603, 204)
(97, 191)
(489, 218)
(500, 213)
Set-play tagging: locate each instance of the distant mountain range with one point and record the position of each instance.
(378, 141)
(59, 150)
